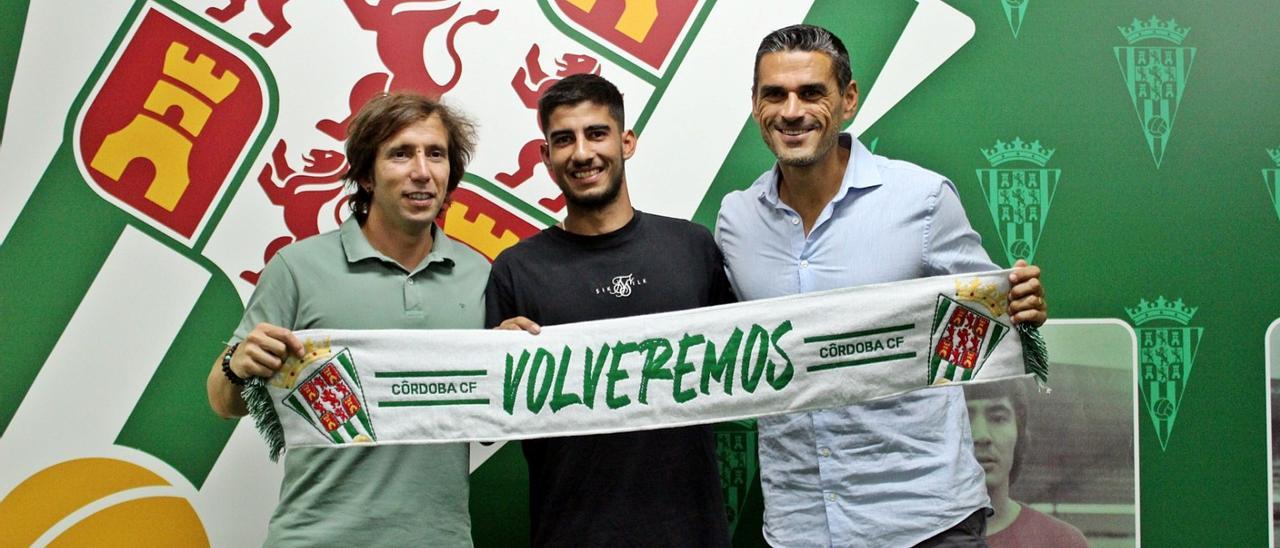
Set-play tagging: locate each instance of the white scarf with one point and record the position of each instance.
(722, 363)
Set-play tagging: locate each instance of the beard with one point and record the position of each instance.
(596, 201)
(791, 158)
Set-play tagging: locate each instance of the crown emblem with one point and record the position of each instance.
(1161, 309)
(1154, 28)
(313, 352)
(987, 295)
(1274, 153)
(1017, 149)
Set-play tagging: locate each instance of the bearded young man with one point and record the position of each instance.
(607, 260)
(897, 471)
(388, 267)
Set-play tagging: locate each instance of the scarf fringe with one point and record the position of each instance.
(258, 400)
(1035, 355)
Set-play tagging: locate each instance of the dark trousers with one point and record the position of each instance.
(970, 533)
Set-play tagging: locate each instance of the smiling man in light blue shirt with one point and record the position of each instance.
(898, 471)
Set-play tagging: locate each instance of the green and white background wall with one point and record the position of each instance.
(157, 152)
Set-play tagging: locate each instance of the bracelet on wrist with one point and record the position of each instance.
(226, 367)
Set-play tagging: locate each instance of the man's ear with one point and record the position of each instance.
(850, 101)
(629, 140)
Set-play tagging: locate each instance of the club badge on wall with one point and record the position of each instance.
(1272, 178)
(736, 454)
(1156, 76)
(1015, 11)
(1019, 189)
(1167, 353)
(163, 133)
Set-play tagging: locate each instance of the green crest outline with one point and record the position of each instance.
(1156, 77)
(1019, 197)
(1271, 178)
(1015, 11)
(1167, 348)
(736, 456)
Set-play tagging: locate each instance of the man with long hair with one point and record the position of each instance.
(388, 267)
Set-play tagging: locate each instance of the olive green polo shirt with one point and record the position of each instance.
(395, 495)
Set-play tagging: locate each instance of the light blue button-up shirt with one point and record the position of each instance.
(891, 472)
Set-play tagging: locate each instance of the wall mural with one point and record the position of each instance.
(159, 152)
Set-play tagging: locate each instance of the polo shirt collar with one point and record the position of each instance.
(358, 248)
(860, 173)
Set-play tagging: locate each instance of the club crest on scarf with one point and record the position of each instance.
(963, 336)
(330, 398)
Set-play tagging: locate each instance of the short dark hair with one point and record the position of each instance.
(806, 38)
(579, 88)
(1016, 391)
(386, 115)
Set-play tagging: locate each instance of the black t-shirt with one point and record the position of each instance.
(649, 488)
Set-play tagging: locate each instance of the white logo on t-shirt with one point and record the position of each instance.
(621, 286)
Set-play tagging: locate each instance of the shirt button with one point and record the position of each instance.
(804, 263)
(410, 281)
(824, 452)
(795, 220)
(831, 497)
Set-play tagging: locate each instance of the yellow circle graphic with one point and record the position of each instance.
(50, 496)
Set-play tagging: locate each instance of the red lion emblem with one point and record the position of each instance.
(530, 82)
(401, 37)
(273, 10)
(302, 195)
